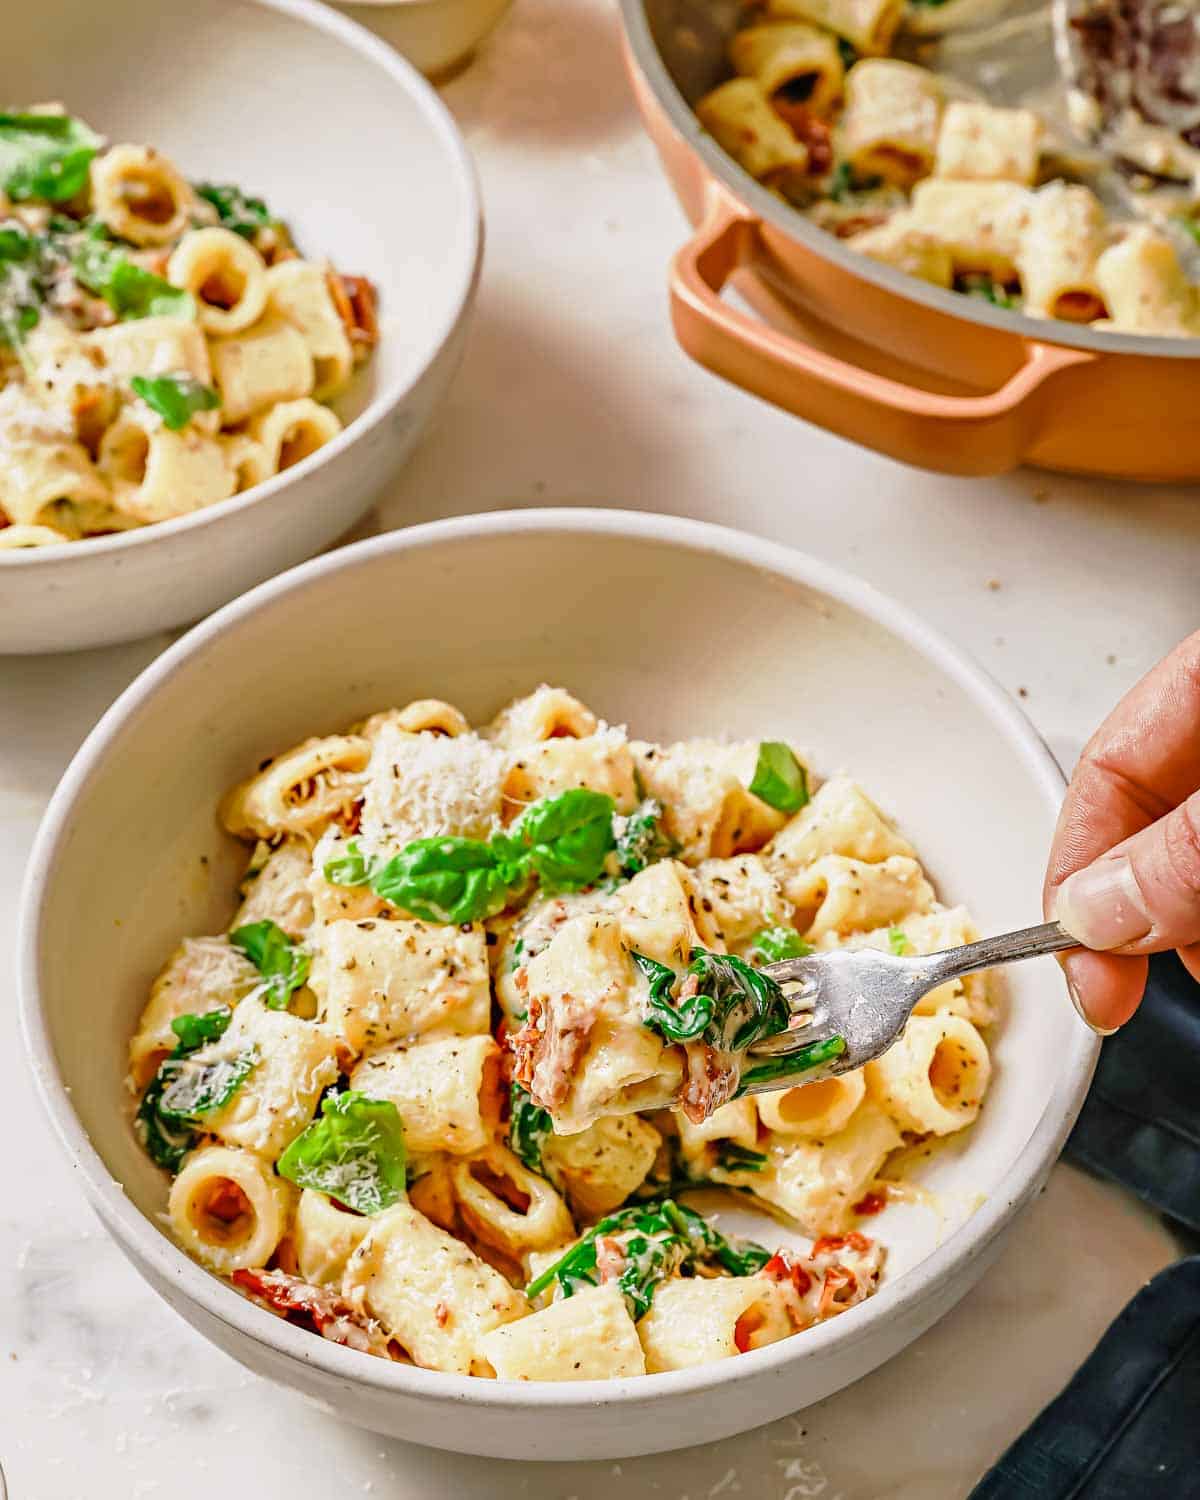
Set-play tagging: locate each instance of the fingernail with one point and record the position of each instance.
(1102, 906)
(1083, 1015)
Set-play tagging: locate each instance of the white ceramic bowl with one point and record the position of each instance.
(437, 36)
(676, 628)
(354, 149)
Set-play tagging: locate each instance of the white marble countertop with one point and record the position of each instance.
(573, 391)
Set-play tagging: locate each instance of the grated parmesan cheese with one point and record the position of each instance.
(428, 786)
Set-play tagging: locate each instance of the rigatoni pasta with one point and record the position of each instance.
(445, 1088)
(162, 344)
(915, 170)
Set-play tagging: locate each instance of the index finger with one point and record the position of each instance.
(1142, 761)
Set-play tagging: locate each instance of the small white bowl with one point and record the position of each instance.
(350, 146)
(671, 626)
(437, 36)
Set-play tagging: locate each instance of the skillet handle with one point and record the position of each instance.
(985, 434)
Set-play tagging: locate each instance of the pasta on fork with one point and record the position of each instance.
(478, 1026)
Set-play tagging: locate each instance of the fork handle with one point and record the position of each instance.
(1007, 948)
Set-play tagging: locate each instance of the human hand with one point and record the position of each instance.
(1124, 870)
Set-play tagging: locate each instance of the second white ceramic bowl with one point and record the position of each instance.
(677, 629)
(350, 145)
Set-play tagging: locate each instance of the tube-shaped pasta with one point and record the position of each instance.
(228, 1208)
(156, 346)
(324, 1237)
(983, 143)
(300, 791)
(981, 224)
(263, 364)
(432, 1294)
(1144, 286)
(868, 24)
(847, 895)
(200, 975)
(299, 291)
(288, 433)
(226, 275)
(13, 538)
(601, 1166)
(817, 1182)
(1061, 245)
(791, 58)
(934, 1078)
(695, 1321)
(911, 250)
(156, 473)
(589, 1336)
(245, 458)
(813, 1110)
(735, 1121)
(508, 1206)
(36, 474)
(421, 716)
(547, 713)
(739, 117)
(140, 196)
(446, 1091)
(601, 761)
(890, 124)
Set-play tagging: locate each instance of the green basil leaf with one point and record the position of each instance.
(771, 945)
(131, 291)
(16, 243)
(45, 156)
(528, 1126)
(236, 210)
(792, 1066)
(452, 880)
(721, 1000)
(779, 778)
(563, 840)
(353, 1153)
(195, 1031)
(657, 1240)
(165, 1142)
(176, 398)
(283, 964)
(194, 1086)
(166, 1137)
(641, 839)
(351, 868)
(734, 1158)
(21, 291)
(843, 183)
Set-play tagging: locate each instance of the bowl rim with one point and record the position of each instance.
(218, 1299)
(463, 268)
(643, 50)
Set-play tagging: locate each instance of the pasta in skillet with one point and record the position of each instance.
(162, 344)
(911, 169)
(479, 1024)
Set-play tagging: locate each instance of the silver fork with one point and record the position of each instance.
(852, 1004)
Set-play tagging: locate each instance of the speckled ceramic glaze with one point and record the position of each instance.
(676, 628)
(352, 147)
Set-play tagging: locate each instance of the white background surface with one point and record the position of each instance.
(573, 391)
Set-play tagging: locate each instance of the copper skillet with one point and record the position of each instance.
(924, 375)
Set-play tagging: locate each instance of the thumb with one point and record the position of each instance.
(1143, 896)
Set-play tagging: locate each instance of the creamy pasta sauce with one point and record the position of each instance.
(163, 345)
(479, 1025)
